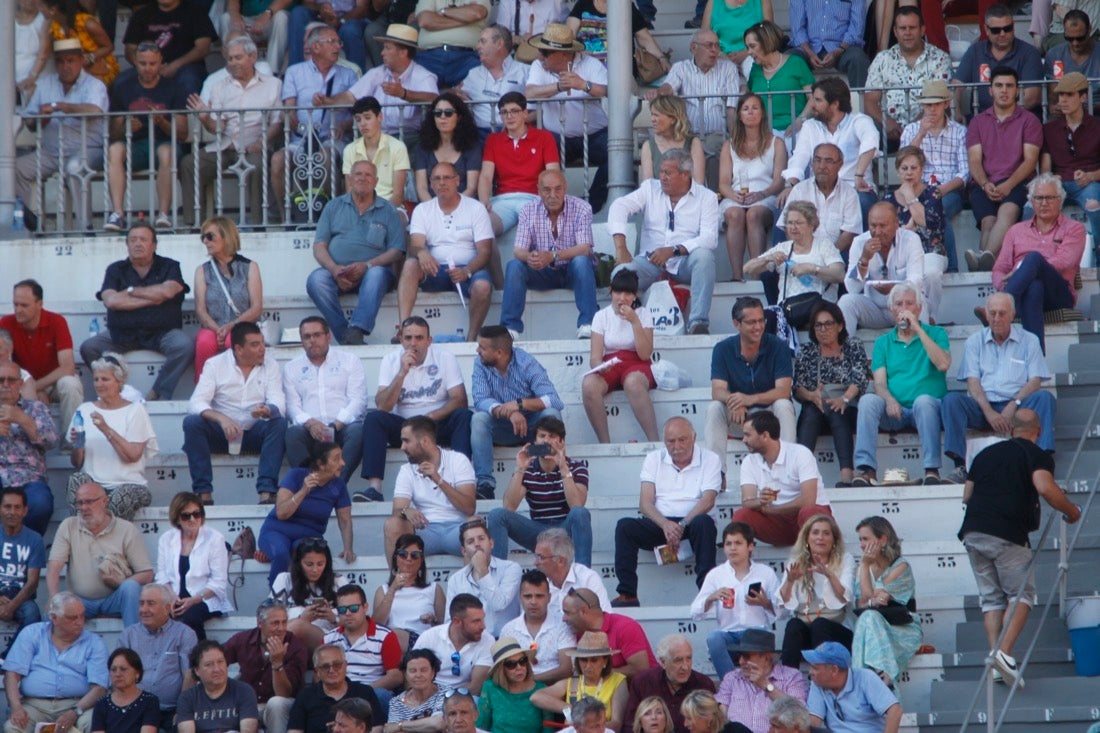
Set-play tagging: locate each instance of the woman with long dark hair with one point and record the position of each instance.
(448, 135)
(407, 602)
(308, 590)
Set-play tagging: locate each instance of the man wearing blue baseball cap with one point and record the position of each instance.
(848, 700)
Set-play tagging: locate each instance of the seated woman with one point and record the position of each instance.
(652, 716)
(32, 47)
(816, 589)
(419, 709)
(126, 708)
(623, 332)
(447, 135)
(750, 176)
(830, 373)
(702, 714)
(670, 129)
(774, 70)
(729, 19)
(193, 562)
(308, 590)
(885, 587)
(68, 20)
(505, 702)
(118, 439)
(407, 603)
(921, 210)
(592, 677)
(306, 499)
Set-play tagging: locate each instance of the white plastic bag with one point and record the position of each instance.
(669, 377)
(668, 320)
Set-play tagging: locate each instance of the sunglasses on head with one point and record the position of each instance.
(407, 554)
(313, 543)
(353, 608)
(448, 113)
(456, 690)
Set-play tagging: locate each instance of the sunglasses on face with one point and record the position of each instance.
(410, 554)
(330, 666)
(513, 663)
(209, 236)
(439, 113)
(353, 608)
(996, 30)
(188, 516)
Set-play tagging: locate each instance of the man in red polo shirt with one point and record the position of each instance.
(42, 345)
(511, 163)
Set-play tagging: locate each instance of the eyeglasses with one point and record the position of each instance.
(753, 322)
(837, 710)
(353, 608)
(822, 325)
(330, 39)
(543, 558)
(87, 502)
(709, 44)
(448, 113)
(996, 30)
(188, 516)
(440, 179)
(511, 111)
(330, 666)
(1076, 39)
(1044, 199)
(513, 663)
(10, 380)
(407, 554)
(208, 236)
(456, 668)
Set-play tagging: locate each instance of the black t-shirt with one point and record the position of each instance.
(128, 95)
(175, 31)
(312, 710)
(129, 327)
(1003, 491)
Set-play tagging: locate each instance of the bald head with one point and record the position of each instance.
(1025, 424)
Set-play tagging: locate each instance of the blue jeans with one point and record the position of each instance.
(867, 199)
(1080, 196)
(718, 642)
(698, 271)
(924, 415)
(441, 282)
(505, 525)
(39, 506)
(178, 349)
(1037, 287)
(579, 276)
(202, 437)
(122, 602)
(960, 411)
(349, 438)
(487, 431)
(323, 291)
(350, 32)
(27, 613)
(441, 538)
(382, 429)
(450, 67)
(952, 205)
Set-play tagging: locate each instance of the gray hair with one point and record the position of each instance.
(586, 706)
(56, 605)
(1044, 179)
(808, 211)
(681, 157)
(561, 544)
(114, 363)
(264, 609)
(166, 593)
(789, 712)
(5, 336)
(328, 648)
(245, 42)
(663, 651)
(502, 34)
(457, 697)
(901, 289)
(316, 32)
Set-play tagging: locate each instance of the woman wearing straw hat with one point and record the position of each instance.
(593, 676)
(505, 704)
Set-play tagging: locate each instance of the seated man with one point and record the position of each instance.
(237, 406)
(240, 140)
(1003, 369)
(492, 579)
(679, 485)
(272, 662)
(27, 432)
(347, 18)
(511, 165)
(185, 35)
(464, 640)
(449, 30)
(39, 689)
(144, 298)
(749, 371)
(847, 700)
(759, 682)
(596, 628)
(416, 378)
(536, 629)
(76, 142)
(908, 363)
(833, 42)
(434, 493)
(1071, 149)
(670, 681)
(880, 258)
(19, 580)
(552, 249)
(1001, 49)
(555, 557)
(97, 550)
(1078, 53)
(373, 650)
(389, 154)
(145, 91)
(450, 244)
(312, 710)
(512, 392)
(325, 398)
(359, 238)
(556, 489)
(498, 74)
(836, 202)
(781, 486)
(679, 233)
(1041, 258)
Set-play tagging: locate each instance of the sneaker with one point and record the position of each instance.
(843, 485)
(486, 492)
(699, 328)
(115, 223)
(163, 221)
(1008, 669)
(696, 22)
(585, 331)
(958, 476)
(986, 260)
(865, 479)
(625, 601)
(997, 676)
(367, 494)
(971, 257)
(980, 314)
(933, 479)
(354, 336)
(514, 334)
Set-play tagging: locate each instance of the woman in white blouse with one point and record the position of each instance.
(193, 561)
(816, 589)
(118, 439)
(622, 331)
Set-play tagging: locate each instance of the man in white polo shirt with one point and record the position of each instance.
(462, 645)
(781, 486)
(555, 555)
(536, 629)
(679, 485)
(434, 492)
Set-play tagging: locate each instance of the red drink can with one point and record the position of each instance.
(983, 72)
(727, 601)
(1059, 69)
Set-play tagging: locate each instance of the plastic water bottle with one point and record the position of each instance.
(17, 222)
(78, 430)
(93, 328)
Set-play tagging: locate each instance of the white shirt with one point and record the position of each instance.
(838, 212)
(261, 92)
(553, 637)
(695, 214)
(223, 387)
(618, 334)
(335, 391)
(498, 591)
(905, 262)
(534, 15)
(425, 387)
(409, 604)
(472, 654)
(579, 576)
(794, 465)
(101, 461)
(855, 135)
(209, 566)
(217, 77)
(575, 118)
(679, 489)
(743, 615)
(822, 253)
(452, 238)
(485, 91)
(823, 590)
(699, 88)
(396, 112)
(454, 468)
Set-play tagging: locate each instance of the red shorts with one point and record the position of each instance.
(629, 362)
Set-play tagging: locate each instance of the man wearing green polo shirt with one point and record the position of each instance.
(909, 365)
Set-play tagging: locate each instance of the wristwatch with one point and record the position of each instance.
(683, 523)
(770, 688)
(1019, 403)
(588, 86)
(130, 290)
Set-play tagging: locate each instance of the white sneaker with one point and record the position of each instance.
(1008, 669)
(585, 331)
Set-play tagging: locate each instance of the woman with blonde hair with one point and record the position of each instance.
(702, 714)
(504, 705)
(816, 589)
(670, 129)
(652, 716)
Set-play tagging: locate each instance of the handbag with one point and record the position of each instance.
(797, 308)
(896, 614)
(648, 67)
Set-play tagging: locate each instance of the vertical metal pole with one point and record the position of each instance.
(7, 120)
(620, 102)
